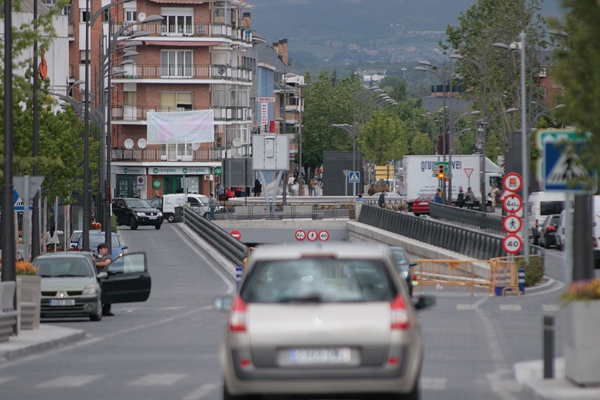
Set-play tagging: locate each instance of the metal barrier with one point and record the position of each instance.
(255, 210)
(216, 237)
(490, 222)
(505, 274)
(465, 273)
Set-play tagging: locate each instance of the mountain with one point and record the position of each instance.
(342, 31)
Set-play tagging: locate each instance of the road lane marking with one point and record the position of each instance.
(551, 307)
(202, 391)
(158, 380)
(171, 308)
(510, 307)
(71, 381)
(465, 307)
(428, 383)
(5, 379)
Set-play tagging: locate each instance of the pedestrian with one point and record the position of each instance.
(381, 201)
(212, 205)
(102, 258)
(51, 239)
(220, 192)
(360, 199)
(470, 199)
(257, 188)
(460, 199)
(290, 184)
(494, 194)
(438, 196)
(371, 190)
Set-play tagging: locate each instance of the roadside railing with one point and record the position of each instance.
(277, 212)
(490, 222)
(216, 236)
(464, 273)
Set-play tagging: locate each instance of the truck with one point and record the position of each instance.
(418, 176)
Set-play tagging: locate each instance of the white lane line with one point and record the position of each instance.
(510, 307)
(559, 286)
(171, 308)
(5, 379)
(158, 380)
(551, 307)
(71, 381)
(428, 383)
(218, 271)
(465, 307)
(202, 391)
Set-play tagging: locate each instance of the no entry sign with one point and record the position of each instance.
(236, 234)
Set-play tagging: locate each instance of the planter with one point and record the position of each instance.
(30, 291)
(582, 342)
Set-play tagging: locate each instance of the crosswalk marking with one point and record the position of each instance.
(465, 307)
(171, 308)
(69, 381)
(510, 307)
(551, 307)
(5, 379)
(428, 383)
(202, 391)
(158, 380)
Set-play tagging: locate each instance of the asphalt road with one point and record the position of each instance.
(166, 348)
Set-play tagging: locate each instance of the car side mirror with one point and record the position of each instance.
(124, 247)
(413, 263)
(102, 275)
(222, 303)
(424, 302)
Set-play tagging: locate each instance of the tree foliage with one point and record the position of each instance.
(383, 138)
(421, 144)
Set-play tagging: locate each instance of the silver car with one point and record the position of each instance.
(322, 320)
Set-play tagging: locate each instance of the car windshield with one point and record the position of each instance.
(551, 207)
(137, 203)
(426, 197)
(318, 280)
(71, 267)
(75, 237)
(95, 240)
(402, 262)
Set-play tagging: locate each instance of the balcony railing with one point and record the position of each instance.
(133, 113)
(197, 30)
(160, 155)
(187, 72)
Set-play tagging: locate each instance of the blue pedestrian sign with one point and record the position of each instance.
(561, 168)
(354, 177)
(18, 202)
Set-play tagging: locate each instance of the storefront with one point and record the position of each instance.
(130, 181)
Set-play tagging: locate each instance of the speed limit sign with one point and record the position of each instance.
(512, 244)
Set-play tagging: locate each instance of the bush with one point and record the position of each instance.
(113, 223)
(534, 271)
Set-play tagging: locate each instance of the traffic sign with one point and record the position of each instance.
(300, 235)
(34, 184)
(354, 177)
(468, 171)
(512, 244)
(312, 235)
(512, 182)
(217, 171)
(512, 223)
(323, 236)
(384, 171)
(562, 169)
(265, 99)
(512, 203)
(237, 235)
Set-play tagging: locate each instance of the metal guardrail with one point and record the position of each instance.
(470, 242)
(490, 222)
(256, 211)
(216, 236)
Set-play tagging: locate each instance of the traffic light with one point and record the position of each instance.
(440, 171)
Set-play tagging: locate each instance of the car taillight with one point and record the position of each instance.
(595, 243)
(238, 315)
(400, 314)
(537, 223)
(550, 229)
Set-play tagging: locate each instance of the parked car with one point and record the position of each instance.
(75, 238)
(542, 204)
(403, 267)
(421, 204)
(136, 212)
(97, 237)
(549, 231)
(198, 203)
(321, 320)
(71, 287)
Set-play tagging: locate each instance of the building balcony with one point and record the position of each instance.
(196, 71)
(187, 30)
(128, 113)
(155, 155)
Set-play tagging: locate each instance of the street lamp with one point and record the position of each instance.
(352, 132)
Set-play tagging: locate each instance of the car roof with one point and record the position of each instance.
(342, 250)
(69, 254)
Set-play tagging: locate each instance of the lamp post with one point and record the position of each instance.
(300, 122)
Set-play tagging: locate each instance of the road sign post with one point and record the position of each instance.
(27, 186)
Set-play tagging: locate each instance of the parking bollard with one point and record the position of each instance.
(522, 280)
(238, 276)
(548, 347)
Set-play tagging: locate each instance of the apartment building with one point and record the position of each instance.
(196, 58)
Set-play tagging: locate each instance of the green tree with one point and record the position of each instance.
(383, 138)
(421, 144)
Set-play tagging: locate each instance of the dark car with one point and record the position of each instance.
(403, 266)
(136, 212)
(97, 237)
(549, 231)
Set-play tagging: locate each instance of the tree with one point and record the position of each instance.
(421, 144)
(383, 138)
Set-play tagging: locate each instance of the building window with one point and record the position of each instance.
(84, 16)
(178, 25)
(176, 63)
(68, 11)
(130, 98)
(221, 13)
(176, 101)
(106, 15)
(220, 96)
(130, 15)
(82, 59)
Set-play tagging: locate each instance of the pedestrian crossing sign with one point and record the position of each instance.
(354, 177)
(562, 168)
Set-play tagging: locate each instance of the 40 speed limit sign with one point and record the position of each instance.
(512, 244)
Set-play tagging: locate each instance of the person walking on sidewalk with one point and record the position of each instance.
(381, 201)
(460, 199)
(494, 195)
(212, 205)
(470, 199)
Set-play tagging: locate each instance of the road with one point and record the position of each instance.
(166, 348)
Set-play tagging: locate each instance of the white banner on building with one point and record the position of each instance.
(181, 127)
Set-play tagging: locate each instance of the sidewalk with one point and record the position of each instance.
(37, 340)
(530, 375)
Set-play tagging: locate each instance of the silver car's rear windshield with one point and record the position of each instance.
(318, 280)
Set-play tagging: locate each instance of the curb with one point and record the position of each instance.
(38, 340)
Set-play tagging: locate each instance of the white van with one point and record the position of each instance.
(198, 202)
(542, 204)
(560, 239)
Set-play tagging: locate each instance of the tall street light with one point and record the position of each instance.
(300, 122)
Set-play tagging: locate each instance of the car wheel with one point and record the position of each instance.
(229, 396)
(133, 224)
(559, 246)
(98, 315)
(171, 218)
(157, 227)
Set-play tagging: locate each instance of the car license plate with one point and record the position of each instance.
(152, 217)
(325, 355)
(65, 302)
